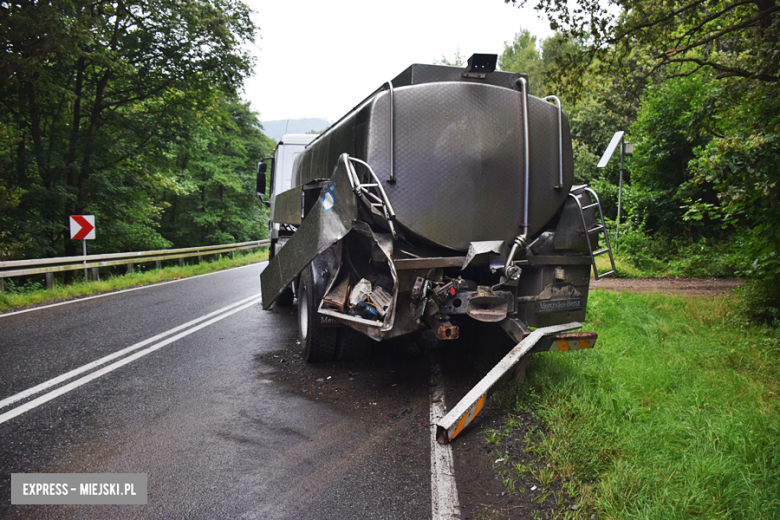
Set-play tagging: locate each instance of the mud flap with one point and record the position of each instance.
(331, 218)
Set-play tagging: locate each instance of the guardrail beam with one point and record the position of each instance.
(49, 266)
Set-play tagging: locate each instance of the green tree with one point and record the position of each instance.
(91, 91)
(458, 60)
(671, 125)
(522, 55)
(215, 202)
(734, 39)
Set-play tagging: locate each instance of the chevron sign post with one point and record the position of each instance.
(82, 227)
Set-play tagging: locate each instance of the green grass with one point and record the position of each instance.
(674, 414)
(11, 300)
(625, 269)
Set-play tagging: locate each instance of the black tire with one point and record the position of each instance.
(351, 345)
(286, 299)
(318, 343)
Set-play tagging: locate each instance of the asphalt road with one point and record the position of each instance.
(226, 420)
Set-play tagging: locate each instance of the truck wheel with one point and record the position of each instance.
(319, 344)
(352, 345)
(286, 299)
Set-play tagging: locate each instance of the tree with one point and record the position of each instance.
(457, 61)
(522, 56)
(216, 201)
(90, 92)
(738, 38)
(670, 127)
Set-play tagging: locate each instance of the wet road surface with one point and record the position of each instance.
(227, 421)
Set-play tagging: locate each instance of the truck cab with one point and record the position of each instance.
(288, 149)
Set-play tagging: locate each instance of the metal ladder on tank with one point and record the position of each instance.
(598, 228)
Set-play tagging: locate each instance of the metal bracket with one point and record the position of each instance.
(464, 412)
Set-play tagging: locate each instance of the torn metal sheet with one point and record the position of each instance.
(478, 248)
(331, 218)
(374, 329)
(287, 207)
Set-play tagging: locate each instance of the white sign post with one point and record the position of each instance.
(82, 227)
(625, 149)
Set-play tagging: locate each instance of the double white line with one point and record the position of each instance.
(188, 328)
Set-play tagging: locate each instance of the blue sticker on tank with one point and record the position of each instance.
(327, 200)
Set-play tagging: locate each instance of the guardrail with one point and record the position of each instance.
(49, 266)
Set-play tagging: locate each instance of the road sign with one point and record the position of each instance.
(616, 139)
(82, 227)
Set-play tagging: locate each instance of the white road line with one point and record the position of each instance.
(89, 366)
(123, 291)
(129, 359)
(444, 490)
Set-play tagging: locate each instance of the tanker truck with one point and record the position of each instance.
(443, 199)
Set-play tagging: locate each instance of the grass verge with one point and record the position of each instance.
(625, 269)
(675, 413)
(9, 300)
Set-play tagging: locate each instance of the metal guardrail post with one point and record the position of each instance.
(95, 274)
(50, 280)
(129, 268)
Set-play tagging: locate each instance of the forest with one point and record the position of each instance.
(131, 111)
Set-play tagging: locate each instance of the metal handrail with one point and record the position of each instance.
(527, 150)
(360, 189)
(521, 240)
(71, 263)
(391, 179)
(608, 249)
(560, 139)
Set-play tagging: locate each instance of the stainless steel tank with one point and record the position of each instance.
(458, 148)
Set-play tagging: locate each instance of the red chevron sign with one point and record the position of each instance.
(82, 227)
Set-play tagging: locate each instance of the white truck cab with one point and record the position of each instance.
(282, 162)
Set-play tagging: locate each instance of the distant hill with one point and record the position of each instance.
(276, 129)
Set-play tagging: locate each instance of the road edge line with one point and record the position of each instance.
(444, 490)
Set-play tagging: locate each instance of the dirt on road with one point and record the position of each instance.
(677, 286)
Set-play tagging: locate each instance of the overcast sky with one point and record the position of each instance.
(321, 58)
